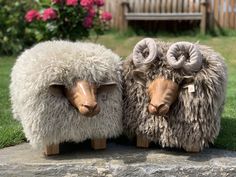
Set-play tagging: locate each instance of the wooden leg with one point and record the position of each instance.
(51, 150)
(99, 143)
(192, 149)
(142, 141)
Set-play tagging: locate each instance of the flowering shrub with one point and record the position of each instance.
(49, 14)
(106, 16)
(32, 15)
(72, 2)
(68, 19)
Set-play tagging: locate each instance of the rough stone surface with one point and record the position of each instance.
(116, 160)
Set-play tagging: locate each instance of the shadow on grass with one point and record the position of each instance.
(225, 141)
(227, 136)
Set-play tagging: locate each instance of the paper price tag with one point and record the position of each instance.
(191, 88)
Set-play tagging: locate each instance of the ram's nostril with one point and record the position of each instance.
(152, 109)
(163, 109)
(159, 110)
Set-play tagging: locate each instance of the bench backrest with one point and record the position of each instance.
(165, 6)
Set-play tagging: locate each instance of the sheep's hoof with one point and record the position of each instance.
(192, 149)
(51, 150)
(142, 141)
(99, 143)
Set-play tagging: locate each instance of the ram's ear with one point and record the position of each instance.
(140, 77)
(57, 89)
(187, 80)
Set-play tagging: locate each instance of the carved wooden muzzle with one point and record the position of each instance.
(82, 95)
(162, 94)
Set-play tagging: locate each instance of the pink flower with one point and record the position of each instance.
(99, 2)
(91, 12)
(87, 3)
(106, 16)
(88, 22)
(32, 15)
(49, 14)
(71, 2)
(56, 1)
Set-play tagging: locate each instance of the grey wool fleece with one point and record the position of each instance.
(194, 119)
(47, 118)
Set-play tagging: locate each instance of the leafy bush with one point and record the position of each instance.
(67, 19)
(13, 34)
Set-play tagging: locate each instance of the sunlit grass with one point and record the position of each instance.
(10, 130)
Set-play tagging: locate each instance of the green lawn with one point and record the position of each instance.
(11, 131)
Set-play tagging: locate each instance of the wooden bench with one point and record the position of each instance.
(165, 10)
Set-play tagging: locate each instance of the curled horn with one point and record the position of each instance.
(184, 55)
(147, 45)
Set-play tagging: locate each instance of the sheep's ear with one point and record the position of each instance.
(57, 90)
(110, 83)
(140, 77)
(107, 85)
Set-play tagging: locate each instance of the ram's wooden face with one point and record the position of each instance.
(162, 94)
(82, 96)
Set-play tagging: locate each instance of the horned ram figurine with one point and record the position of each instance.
(63, 91)
(173, 94)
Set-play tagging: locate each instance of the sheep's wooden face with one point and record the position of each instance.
(82, 95)
(162, 94)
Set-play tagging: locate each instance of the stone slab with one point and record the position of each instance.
(116, 160)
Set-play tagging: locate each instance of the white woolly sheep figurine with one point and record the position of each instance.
(67, 91)
(173, 94)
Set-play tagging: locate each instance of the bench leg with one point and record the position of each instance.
(99, 143)
(124, 23)
(204, 5)
(142, 141)
(51, 150)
